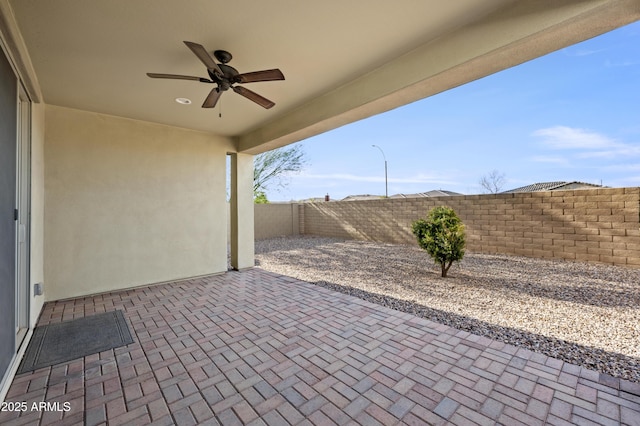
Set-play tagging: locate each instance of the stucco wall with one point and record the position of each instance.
(600, 225)
(129, 203)
(241, 212)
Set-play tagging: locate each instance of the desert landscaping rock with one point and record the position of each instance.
(584, 314)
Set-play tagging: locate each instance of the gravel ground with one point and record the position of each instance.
(581, 313)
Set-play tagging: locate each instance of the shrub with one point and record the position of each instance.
(442, 236)
(260, 198)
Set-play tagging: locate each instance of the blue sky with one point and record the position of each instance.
(571, 115)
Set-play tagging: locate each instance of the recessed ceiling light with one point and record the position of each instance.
(183, 101)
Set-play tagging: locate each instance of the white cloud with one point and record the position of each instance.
(622, 168)
(627, 63)
(549, 159)
(592, 144)
(620, 150)
(582, 52)
(563, 137)
(418, 179)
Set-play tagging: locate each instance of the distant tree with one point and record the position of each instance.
(274, 168)
(492, 182)
(442, 235)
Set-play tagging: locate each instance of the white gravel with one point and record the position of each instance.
(585, 314)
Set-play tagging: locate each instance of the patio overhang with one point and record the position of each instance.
(339, 68)
(507, 37)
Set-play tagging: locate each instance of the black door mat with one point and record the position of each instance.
(56, 343)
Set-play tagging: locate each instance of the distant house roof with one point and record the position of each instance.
(553, 186)
(361, 197)
(432, 193)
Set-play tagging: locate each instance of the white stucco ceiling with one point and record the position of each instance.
(336, 55)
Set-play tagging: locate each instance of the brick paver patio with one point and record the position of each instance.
(257, 348)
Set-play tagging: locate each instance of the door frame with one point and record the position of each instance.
(23, 224)
(22, 228)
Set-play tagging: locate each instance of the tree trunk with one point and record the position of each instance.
(445, 268)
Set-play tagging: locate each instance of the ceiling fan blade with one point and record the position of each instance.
(179, 77)
(204, 56)
(212, 98)
(253, 96)
(266, 75)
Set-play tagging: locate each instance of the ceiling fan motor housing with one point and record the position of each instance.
(222, 56)
(229, 76)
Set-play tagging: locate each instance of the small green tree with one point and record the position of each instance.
(260, 198)
(442, 236)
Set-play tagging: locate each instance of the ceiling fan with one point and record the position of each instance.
(225, 76)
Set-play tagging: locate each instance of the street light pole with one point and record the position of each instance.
(386, 186)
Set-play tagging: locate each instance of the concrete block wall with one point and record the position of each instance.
(596, 225)
(276, 220)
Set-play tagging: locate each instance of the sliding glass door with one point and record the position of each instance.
(8, 212)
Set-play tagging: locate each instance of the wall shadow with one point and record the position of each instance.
(593, 285)
(560, 281)
(609, 363)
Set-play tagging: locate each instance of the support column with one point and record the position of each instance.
(242, 233)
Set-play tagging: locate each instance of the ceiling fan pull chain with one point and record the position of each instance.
(220, 109)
